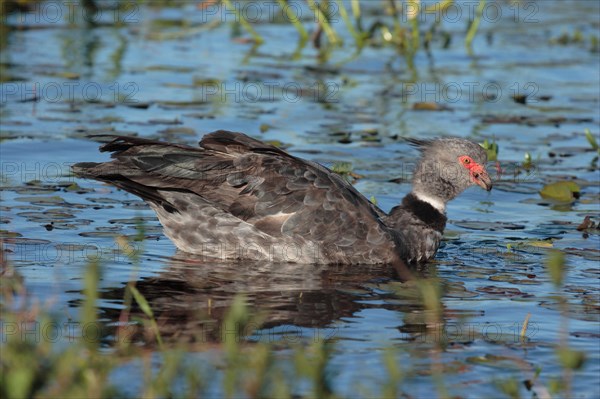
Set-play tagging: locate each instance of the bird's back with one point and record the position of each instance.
(235, 197)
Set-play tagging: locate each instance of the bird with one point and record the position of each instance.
(238, 198)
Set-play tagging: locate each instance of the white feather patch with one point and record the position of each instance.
(434, 202)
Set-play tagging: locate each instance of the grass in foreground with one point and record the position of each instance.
(35, 364)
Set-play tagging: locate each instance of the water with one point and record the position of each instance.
(160, 74)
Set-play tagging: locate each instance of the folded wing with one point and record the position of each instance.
(279, 194)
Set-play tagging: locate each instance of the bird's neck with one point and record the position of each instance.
(425, 210)
(417, 209)
(418, 226)
(435, 202)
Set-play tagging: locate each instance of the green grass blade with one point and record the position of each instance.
(474, 25)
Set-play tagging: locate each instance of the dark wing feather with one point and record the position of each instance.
(421, 144)
(233, 142)
(254, 181)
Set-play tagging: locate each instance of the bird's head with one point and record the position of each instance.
(448, 166)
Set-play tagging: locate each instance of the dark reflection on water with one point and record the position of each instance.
(190, 299)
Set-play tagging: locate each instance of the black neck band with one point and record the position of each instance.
(425, 211)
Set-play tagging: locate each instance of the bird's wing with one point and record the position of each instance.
(251, 180)
(418, 143)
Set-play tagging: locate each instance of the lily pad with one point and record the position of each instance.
(490, 226)
(459, 291)
(510, 278)
(103, 200)
(133, 221)
(585, 334)
(9, 234)
(501, 362)
(177, 130)
(99, 234)
(53, 200)
(501, 291)
(429, 106)
(71, 225)
(563, 191)
(26, 241)
(31, 190)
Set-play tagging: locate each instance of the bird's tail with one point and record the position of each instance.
(112, 173)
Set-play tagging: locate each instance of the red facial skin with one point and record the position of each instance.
(477, 172)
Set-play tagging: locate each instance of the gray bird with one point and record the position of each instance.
(235, 197)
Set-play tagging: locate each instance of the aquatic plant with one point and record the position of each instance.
(396, 24)
(592, 140)
(527, 162)
(569, 358)
(562, 191)
(38, 366)
(492, 149)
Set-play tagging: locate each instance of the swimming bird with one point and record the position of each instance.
(235, 197)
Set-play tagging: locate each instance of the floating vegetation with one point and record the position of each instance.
(399, 24)
(344, 169)
(577, 38)
(588, 225)
(562, 191)
(264, 127)
(491, 148)
(527, 163)
(430, 106)
(569, 38)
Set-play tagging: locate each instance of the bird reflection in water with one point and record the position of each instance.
(191, 297)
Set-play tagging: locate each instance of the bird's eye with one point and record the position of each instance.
(466, 161)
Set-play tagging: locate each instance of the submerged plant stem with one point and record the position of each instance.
(474, 25)
(255, 36)
(324, 23)
(294, 20)
(414, 9)
(524, 328)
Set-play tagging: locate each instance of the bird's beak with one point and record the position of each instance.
(480, 177)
